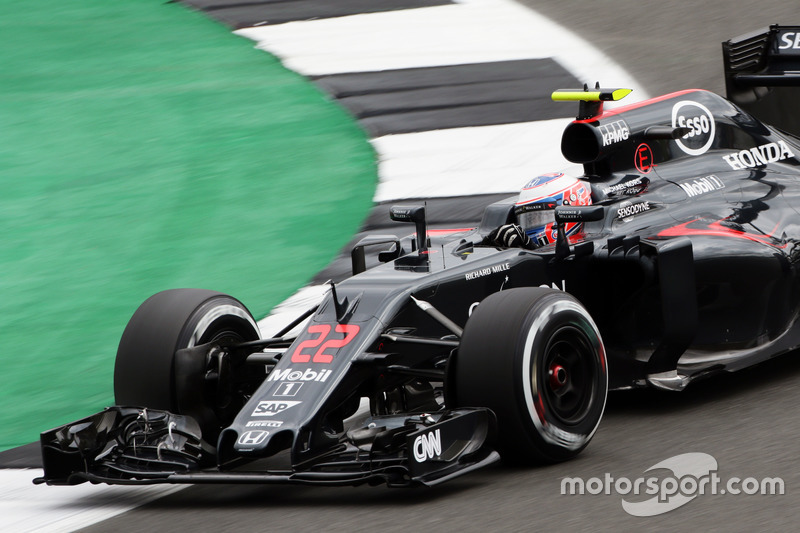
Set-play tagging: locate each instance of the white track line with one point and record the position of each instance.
(471, 31)
(466, 161)
(460, 161)
(25, 507)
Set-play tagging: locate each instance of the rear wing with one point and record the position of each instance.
(762, 75)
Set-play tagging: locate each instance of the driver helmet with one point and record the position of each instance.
(540, 196)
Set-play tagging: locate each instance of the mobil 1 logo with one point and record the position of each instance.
(700, 122)
(288, 388)
(699, 186)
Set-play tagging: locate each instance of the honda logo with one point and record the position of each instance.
(253, 438)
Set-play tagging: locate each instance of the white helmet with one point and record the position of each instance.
(538, 199)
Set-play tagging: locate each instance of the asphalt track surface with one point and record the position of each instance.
(747, 421)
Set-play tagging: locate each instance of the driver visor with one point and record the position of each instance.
(535, 218)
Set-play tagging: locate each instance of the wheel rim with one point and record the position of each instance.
(570, 373)
(226, 382)
(232, 383)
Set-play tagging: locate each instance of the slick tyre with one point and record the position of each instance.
(151, 372)
(535, 357)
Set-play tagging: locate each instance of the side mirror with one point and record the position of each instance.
(585, 213)
(569, 213)
(358, 254)
(415, 214)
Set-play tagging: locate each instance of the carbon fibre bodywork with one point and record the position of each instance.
(687, 264)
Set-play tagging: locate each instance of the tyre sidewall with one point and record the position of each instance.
(166, 322)
(546, 317)
(494, 365)
(221, 314)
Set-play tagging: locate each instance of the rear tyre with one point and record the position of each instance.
(535, 357)
(147, 372)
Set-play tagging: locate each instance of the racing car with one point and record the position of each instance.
(450, 352)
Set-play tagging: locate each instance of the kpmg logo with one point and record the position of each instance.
(614, 132)
(690, 475)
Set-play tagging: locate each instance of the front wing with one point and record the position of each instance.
(138, 446)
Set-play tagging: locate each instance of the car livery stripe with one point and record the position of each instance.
(715, 229)
(636, 105)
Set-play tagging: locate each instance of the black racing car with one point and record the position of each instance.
(687, 266)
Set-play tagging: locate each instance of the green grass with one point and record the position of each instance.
(145, 147)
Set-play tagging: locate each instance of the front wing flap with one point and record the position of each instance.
(128, 445)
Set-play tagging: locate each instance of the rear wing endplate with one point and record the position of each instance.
(762, 74)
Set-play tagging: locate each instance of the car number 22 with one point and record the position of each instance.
(302, 353)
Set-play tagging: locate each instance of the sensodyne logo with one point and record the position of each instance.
(700, 121)
(691, 475)
(627, 209)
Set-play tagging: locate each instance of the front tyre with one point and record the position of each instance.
(535, 357)
(147, 372)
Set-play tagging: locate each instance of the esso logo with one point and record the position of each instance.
(700, 121)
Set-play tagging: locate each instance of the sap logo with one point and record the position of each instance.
(700, 186)
(273, 407)
(700, 121)
(758, 155)
(427, 446)
(253, 438)
(614, 132)
(290, 374)
(790, 41)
